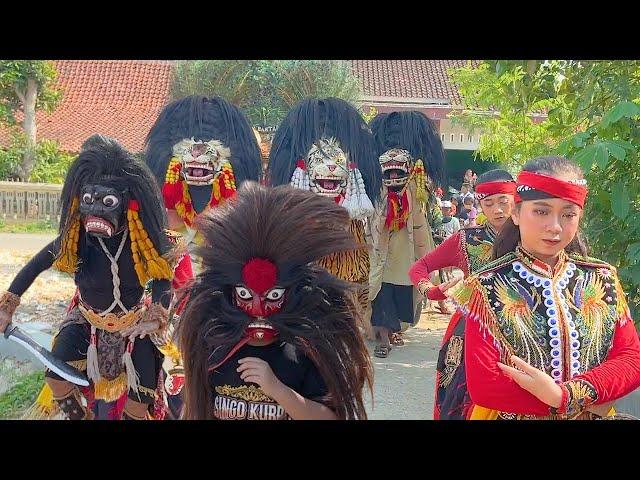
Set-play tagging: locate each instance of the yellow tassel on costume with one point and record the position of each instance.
(229, 177)
(44, 407)
(148, 264)
(111, 390)
(170, 350)
(421, 191)
(181, 210)
(173, 171)
(67, 260)
(142, 277)
(216, 191)
(187, 215)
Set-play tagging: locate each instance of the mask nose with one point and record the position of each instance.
(257, 307)
(198, 150)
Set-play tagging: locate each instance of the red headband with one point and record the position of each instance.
(487, 189)
(569, 191)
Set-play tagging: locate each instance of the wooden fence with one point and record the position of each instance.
(21, 201)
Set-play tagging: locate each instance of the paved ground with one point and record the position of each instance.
(404, 381)
(28, 242)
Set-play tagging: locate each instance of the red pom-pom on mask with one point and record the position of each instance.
(260, 275)
(301, 165)
(133, 205)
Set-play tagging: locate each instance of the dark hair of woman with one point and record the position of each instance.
(494, 175)
(509, 236)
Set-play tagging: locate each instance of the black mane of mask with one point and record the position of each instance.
(204, 119)
(103, 161)
(312, 119)
(293, 229)
(412, 131)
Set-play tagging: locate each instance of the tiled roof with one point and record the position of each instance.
(426, 79)
(122, 98)
(118, 98)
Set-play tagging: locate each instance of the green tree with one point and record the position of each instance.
(301, 79)
(504, 100)
(52, 163)
(592, 110)
(229, 79)
(26, 86)
(602, 101)
(266, 89)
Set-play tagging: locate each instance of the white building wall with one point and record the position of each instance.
(456, 137)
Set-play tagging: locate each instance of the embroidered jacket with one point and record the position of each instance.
(469, 249)
(570, 321)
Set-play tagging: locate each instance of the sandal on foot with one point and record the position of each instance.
(396, 339)
(382, 351)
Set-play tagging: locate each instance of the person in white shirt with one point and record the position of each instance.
(450, 224)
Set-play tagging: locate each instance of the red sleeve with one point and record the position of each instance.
(447, 254)
(183, 272)
(619, 374)
(487, 385)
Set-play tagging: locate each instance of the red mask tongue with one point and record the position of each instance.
(251, 333)
(237, 347)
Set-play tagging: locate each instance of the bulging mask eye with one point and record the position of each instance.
(243, 293)
(110, 200)
(275, 294)
(87, 198)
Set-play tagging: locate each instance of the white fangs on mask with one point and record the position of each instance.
(396, 165)
(201, 161)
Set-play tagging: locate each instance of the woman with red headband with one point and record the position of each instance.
(469, 249)
(548, 332)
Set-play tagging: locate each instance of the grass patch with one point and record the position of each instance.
(39, 226)
(21, 396)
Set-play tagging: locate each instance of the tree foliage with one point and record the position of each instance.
(14, 75)
(51, 163)
(266, 89)
(504, 100)
(592, 110)
(26, 86)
